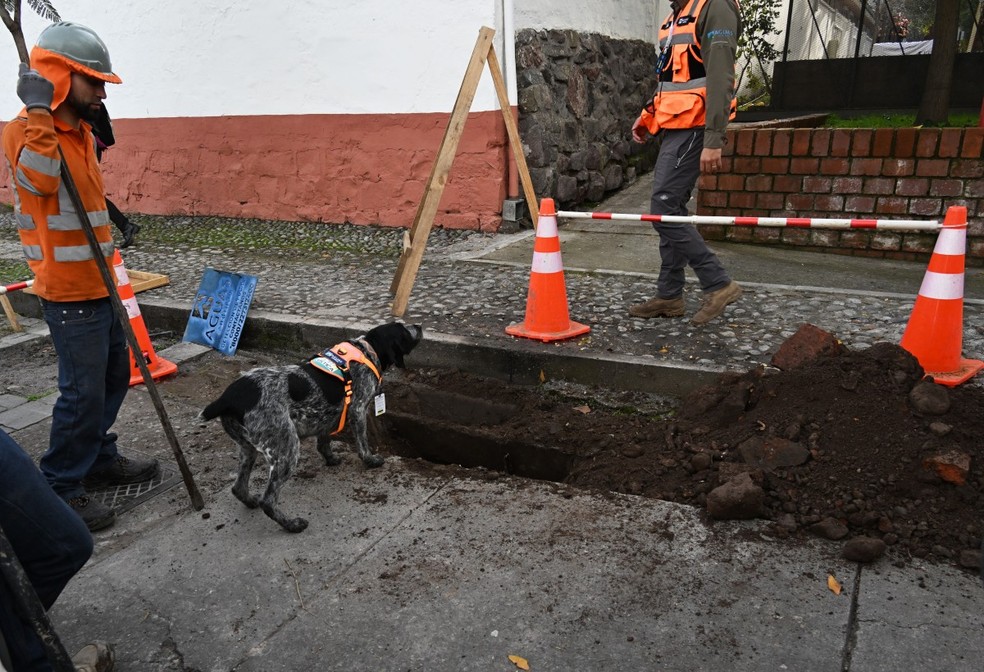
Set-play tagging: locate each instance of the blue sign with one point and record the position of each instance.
(219, 311)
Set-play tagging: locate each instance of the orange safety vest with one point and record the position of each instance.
(681, 94)
(335, 362)
(51, 234)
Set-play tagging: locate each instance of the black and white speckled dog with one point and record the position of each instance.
(269, 410)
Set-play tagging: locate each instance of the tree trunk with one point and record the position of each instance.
(13, 24)
(935, 105)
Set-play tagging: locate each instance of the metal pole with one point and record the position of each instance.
(196, 497)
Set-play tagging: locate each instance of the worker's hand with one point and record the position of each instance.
(639, 131)
(34, 90)
(710, 160)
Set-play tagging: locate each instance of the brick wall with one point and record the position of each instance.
(905, 173)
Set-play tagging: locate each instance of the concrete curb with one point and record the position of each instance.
(517, 361)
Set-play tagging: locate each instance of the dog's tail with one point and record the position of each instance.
(213, 410)
(238, 398)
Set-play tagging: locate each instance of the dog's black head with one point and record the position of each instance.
(393, 341)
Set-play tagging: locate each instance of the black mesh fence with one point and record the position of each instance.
(820, 29)
(822, 53)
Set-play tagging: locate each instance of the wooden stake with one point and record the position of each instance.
(11, 315)
(424, 219)
(512, 131)
(415, 241)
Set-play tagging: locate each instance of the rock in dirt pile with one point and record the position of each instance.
(857, 447)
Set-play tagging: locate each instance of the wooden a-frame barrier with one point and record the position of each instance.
(415, 240)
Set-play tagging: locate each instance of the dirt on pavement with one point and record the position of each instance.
(839, 447)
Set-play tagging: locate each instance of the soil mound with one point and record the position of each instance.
(842, 445)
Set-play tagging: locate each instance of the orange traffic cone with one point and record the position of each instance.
(547, 318)
(158, 366)
(934, 334)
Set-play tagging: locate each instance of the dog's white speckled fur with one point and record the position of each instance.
(269, 410)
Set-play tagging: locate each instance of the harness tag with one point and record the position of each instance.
(329, 366)
(337, 357)
(380, 403)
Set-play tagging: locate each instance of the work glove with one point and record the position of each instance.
(34, 90)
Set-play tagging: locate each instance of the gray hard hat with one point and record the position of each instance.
(80, 44)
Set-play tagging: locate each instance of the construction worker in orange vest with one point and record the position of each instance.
(688, 114)
(61, 91)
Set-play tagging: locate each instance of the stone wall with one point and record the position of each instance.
(905, 173)
(578, 96)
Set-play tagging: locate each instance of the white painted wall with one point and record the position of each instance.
(191, 58)
(623, 19)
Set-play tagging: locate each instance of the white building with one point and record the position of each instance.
(322, 110)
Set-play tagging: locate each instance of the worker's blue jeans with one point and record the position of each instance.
(49, 539)
(93, 379)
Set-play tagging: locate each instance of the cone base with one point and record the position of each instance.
(573, 329)
(966, 369)
(163, 368)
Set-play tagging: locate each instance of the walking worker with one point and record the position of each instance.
(689, 112)
(62, 92)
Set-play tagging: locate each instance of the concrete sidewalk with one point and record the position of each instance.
(410, 569)
(400, 572)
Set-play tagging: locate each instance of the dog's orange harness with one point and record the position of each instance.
(335, 362)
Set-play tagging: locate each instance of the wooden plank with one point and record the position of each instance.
(513, 132)
(11, 315)
(424, 219)
(141, 281)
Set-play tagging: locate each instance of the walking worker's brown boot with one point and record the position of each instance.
(658, 308)
(715, 303)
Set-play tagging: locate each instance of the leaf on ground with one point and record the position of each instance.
(519, 662)
(583, 409)
(834, 585)
(543, 377)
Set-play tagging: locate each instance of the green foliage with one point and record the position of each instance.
(42, 8)
(755, 52)
(758, 23)
(897, 120)
(14, 270)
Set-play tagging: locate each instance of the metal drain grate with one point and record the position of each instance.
(125, 497)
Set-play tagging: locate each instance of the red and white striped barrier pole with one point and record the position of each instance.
(6, 289)
(790, 222)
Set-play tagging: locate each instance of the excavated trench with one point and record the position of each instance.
(452, 428)
(542, 432)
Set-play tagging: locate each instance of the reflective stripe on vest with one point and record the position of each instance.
(25, 222)
(69, 220)
(40, 163)
(81, 252)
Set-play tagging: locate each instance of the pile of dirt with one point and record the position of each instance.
(837, 443)
(844, 445)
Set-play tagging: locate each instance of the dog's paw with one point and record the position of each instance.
(332, 460)
(373, 461)
(295, 525)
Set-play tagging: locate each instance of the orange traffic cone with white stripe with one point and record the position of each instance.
(547, 317)
(934, 334)
(158, 366)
